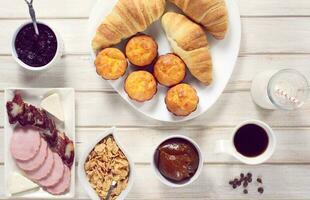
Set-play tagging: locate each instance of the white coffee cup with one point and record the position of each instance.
(186, 182)
(58, 54)
(228, 147)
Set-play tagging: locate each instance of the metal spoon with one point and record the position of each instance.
(112, 186)
(33, 16)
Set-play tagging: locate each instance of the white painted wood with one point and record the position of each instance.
(47, 9)
(275, 35)
(280, 182)
(260, 35)
(76, 70)
(107, 109)
(274, 7)
(81, 8)
(71, 71)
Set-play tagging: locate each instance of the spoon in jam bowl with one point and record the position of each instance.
(33, 16)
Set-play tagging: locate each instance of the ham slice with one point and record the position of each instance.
(37, 161)
(28, 115)
(63, 184)
(45, 169)
(25, 144)
(57, 173)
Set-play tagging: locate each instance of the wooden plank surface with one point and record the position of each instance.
(259, 35)
(81, 8)
(271, 8)
(46, 9)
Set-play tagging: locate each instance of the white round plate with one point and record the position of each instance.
(224, 56)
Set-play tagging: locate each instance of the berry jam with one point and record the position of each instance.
(36, 50)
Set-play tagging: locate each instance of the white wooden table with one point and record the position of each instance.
(276, 34)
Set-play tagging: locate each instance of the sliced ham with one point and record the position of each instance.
(45, 169)
(35, 162)
(25, 143)
(55, 176)
(63, 185)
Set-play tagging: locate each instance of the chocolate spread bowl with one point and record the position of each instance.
(193, 156)
(50, 36)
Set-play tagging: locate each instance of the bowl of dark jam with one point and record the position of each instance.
(36, 52)
(177, 161)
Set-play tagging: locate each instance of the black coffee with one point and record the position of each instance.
(251, 140)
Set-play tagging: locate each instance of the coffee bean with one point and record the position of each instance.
(235, 180)
(260, 190)
(250, 180)
(245, 184)
(242, 175)
(245, 191)
(230, 182)
(234, 186)
(259, 180)
(239, 183)
(249, 175)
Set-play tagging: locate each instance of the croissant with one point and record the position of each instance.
(127, 18)
(212, 14)
(188, 40)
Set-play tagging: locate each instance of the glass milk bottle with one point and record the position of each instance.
(285, 89)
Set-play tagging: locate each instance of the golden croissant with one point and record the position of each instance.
(212, 14)
(189, 41)
(127, 18)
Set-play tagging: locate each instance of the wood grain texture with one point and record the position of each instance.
(75, 70)
(46, 9)
(81, 8)
(285, 182)
(254, 8)
(259, 35)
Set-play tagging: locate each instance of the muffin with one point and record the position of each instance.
(182, 99)
(141, 50)
(140, 86)
(169, 70)
(111, 63)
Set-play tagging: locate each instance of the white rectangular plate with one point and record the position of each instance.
(34, 96)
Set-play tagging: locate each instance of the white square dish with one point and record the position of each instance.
(34, 96)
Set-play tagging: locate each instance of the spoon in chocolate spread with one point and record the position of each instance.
(33, 16)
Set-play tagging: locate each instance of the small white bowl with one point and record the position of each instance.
(56, 58)
(81, 171)
(190, 180)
